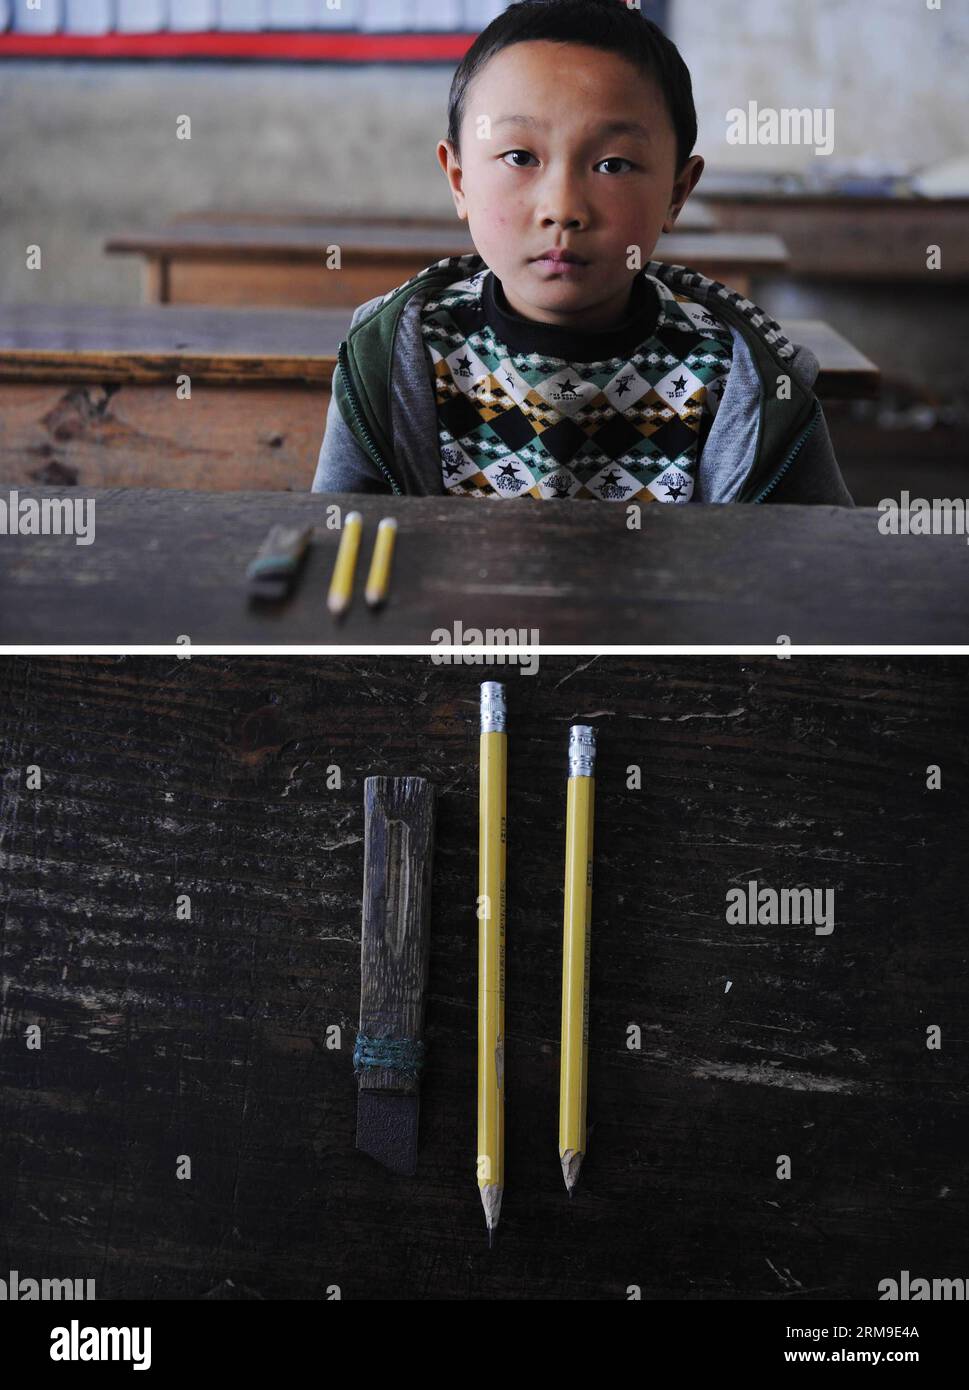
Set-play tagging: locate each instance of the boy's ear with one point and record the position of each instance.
(686, 180)
(447, 157)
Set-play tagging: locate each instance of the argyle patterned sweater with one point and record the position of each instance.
(528, 409)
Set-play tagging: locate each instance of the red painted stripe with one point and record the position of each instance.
(343, 48)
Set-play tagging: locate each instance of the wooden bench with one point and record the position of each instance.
(284, 264)
(90, 394)
(164, 564)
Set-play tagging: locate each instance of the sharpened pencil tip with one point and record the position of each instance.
(491, 1201)
(491, 1237)
(571, 1163)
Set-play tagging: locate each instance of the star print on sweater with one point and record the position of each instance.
(528, 409)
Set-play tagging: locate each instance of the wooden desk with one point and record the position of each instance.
(697, 216)
(866, 239)
(284, 264)
(846, 373)
(206, 1036)
(88, 394)
(167, 563)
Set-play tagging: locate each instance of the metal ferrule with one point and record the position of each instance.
(582, 750)
(493, 709)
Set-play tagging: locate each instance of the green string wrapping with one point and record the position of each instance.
(397, 1054)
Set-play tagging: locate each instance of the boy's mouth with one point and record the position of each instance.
(559, 256)
(565, 264)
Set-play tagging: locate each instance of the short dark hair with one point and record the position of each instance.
(610, 25)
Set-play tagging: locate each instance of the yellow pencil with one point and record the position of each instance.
(491, 952)
(344, 568)
(576, 939)
(378, 579)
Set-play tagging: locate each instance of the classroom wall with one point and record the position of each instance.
(894, 72)
(91, 149)
(235, 16)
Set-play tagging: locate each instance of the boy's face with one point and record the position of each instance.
(566, 147)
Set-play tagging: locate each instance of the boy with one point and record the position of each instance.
(560, 361)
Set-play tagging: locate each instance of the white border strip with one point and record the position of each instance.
(184, 650)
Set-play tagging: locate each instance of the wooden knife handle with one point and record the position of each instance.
(395, 937)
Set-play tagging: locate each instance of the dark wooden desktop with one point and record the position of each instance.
(165, 1036)
(167, 564)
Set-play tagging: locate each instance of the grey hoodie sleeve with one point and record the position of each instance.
(343, 466)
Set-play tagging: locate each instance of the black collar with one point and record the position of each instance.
(553, 340)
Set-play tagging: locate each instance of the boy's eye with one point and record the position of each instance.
(511, 155)
(520, 158)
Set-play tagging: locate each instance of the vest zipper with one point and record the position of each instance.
(805, 436)
(343, 360)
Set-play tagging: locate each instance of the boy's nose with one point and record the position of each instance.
(566, 223)
(566, 214)
(563, 201)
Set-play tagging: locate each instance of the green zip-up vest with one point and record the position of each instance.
(361, 386)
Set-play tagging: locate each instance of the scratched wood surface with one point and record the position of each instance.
(205, 1037)
(166, 564)
(103, 435)
(89, 396)
(397, 865)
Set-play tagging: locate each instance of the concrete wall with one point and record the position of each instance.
(89, 149)
(894, 71)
